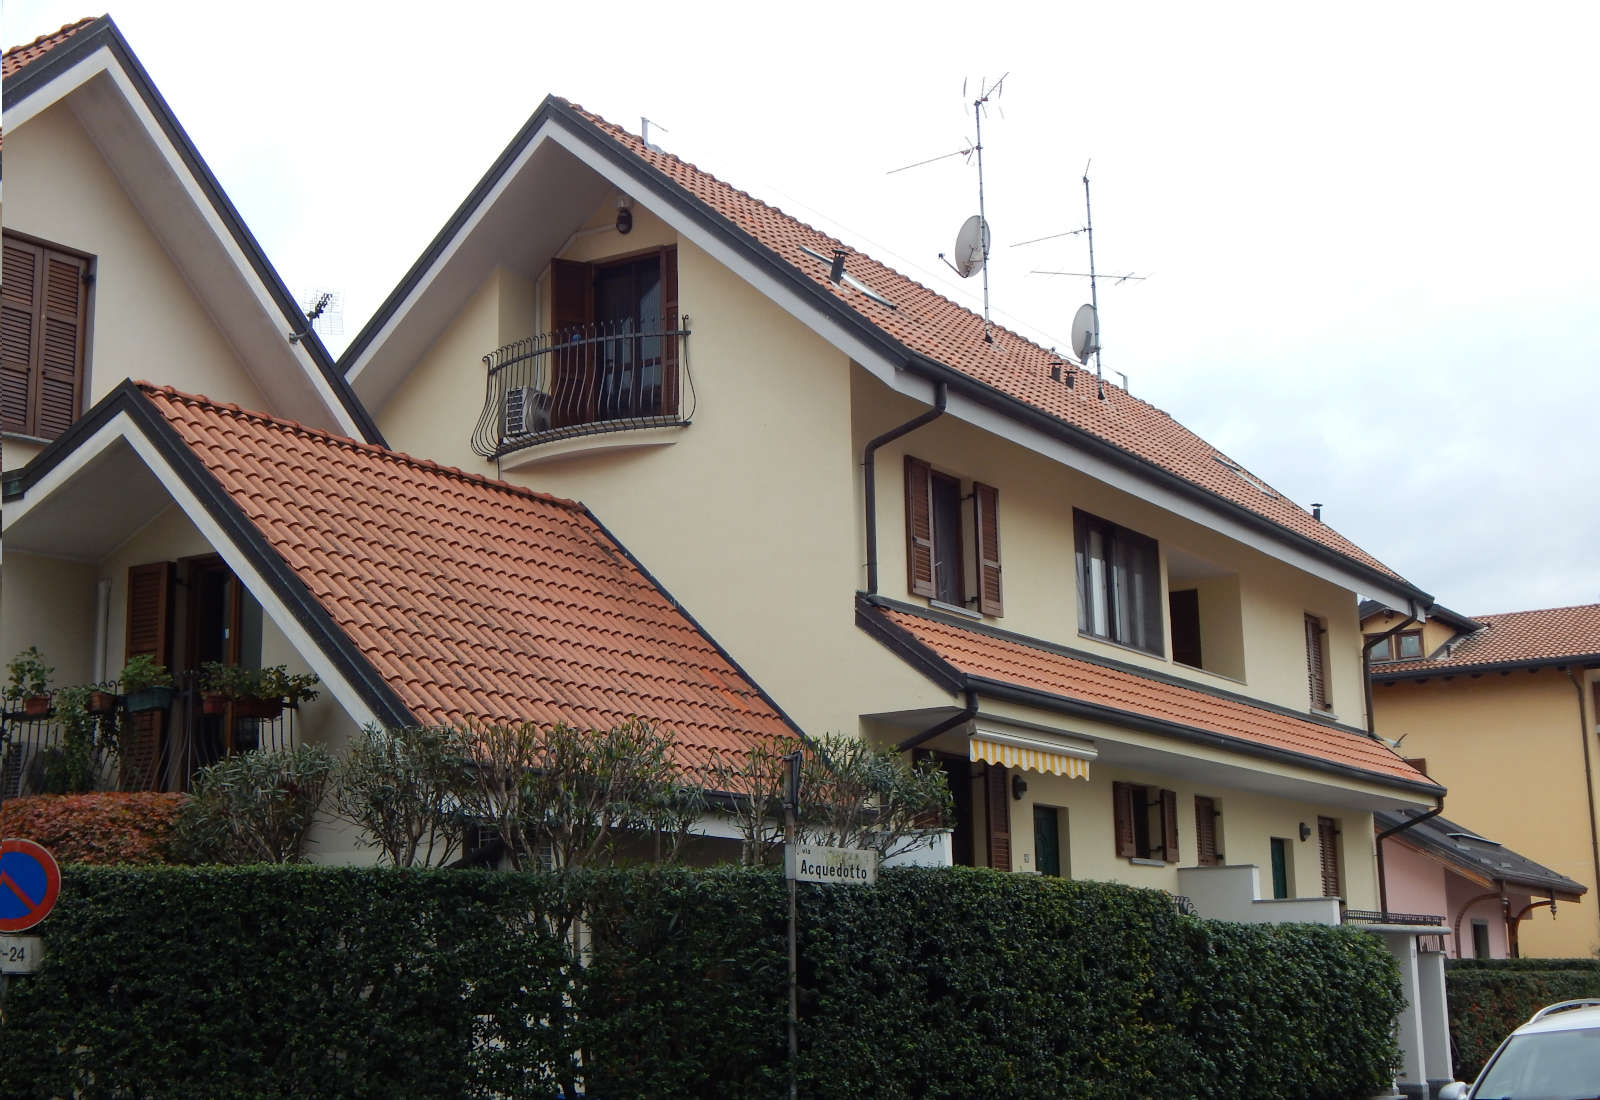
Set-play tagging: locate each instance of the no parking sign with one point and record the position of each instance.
(29, 884)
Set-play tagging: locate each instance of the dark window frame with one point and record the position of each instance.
(1138, 837)
(938, 539)
(1390, 648)
(1120, 592)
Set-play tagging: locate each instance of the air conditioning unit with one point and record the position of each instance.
(527, 411)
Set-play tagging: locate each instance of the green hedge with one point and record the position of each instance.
(1490, 998)
(262, 982)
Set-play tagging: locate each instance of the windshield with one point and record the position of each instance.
(1549, 1065)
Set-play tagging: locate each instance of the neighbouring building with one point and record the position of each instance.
(1504, 710)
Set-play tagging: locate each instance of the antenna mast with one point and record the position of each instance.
(977, 121)
(1094, 297)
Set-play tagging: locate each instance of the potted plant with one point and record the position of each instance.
(217, 687)
(103, 703)
(146, 685)
(30, 682)
(258, 693)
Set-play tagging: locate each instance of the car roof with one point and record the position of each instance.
(1581, 1014)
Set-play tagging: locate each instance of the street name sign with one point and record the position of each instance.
(29, 884)
(834, 866)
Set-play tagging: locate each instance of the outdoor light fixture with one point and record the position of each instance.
(624, 214)
(1305, 831)
(1019, 787)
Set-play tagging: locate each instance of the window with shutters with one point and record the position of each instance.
(1119, 584)
(952, 550)
(1328, 835)
(612, 318)
(44, 308)
(1207, 816)
(1146, 820)
(1317, 663)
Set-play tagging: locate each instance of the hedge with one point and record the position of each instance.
(357, 982)
(1488, 999)
(104, 828)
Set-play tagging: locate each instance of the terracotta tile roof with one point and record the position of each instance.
(931, 325)
(472, 598)
(18, 58)
(1552, 634)
(975, 653)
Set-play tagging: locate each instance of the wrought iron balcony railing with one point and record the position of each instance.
(123, 750)
(587, 380)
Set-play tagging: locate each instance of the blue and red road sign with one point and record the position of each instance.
(29, 884)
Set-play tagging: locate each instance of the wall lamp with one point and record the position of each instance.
(1019, 787)
(624, 214)
(1305, 831)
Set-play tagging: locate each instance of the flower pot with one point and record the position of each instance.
(264, 709)
(214, 704)
(102, 702)
(153, 698)
(36, 706)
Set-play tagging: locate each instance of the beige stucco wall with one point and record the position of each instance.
(49, 603)
(1037, 498)
(145, 322)
(1509, 750)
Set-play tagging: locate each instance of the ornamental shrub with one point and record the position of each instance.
(1488, 999)
(96, 828)
(368, 982)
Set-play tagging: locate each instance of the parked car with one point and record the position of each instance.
(1554, 1056)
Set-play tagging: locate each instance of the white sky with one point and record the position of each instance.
(1371, 230)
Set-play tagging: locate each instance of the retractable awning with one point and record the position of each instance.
(1028, 752)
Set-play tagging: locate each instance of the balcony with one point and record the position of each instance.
(120, 750)
(585, 381)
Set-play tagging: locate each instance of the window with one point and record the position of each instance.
(1205, 613)
(614, 359)
(1146, 822)
(1282, 867)
(1205, 831)
(1404, 646)
(44, 305)
(1119, 584)
(1480, 939)
(1317, 663)
(1328, 841)
(938, 533)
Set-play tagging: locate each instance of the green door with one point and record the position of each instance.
(1047, 840)
(1280, 867)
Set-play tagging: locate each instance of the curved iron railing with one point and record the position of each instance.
(587, 380)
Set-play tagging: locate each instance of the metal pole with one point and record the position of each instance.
(1094, 297)
(791, 804)
(983, 222)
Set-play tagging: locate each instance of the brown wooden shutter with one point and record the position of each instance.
(669, 324)
(1169, 826)
(1316, 663)
(1122, 803)
(149, 632)
(1205, 830)
(986, 515)
(1328, 839)
(60, 343)
(997, 792)
(919, 527)
(571, 310)
(19, 333)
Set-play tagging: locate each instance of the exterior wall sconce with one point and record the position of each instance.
(1019, 787)
(624, 214)
(1305, 831)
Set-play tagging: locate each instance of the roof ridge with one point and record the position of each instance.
(350, 443)
(62, 31)
(1536, 611)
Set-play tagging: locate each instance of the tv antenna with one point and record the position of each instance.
(1086, 325)
(324, 310)
(972, 242)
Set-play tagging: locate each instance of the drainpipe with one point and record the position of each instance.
(1588, 775)
(941, 396)
(1366, 659)
(1383, 882)
(948, 724)
(102, 627)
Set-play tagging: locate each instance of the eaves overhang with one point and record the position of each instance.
(854, 332)
(954, 679)
(41, 82)
(126, 414)
(1441, 672)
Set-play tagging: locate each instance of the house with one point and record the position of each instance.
(1504, 709)
(1479, 888)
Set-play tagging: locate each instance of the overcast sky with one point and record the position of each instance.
(1370, 231)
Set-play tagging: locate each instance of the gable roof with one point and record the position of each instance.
(967, 656)
(1454, 619)
(1516, 639)
(1478, 856)
(30, 70)
(460, 598)
(923, 331)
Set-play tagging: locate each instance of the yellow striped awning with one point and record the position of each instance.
(1028, 759)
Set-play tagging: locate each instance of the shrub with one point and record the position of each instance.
(1488, 999)
(254, 807)
(96, 828)
(403, 788)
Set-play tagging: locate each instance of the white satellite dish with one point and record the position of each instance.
(1085, 333)
(972, 247)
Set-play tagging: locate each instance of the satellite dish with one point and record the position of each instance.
(972, 247)
(1085, 333)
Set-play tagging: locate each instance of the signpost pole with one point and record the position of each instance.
(791, 806)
